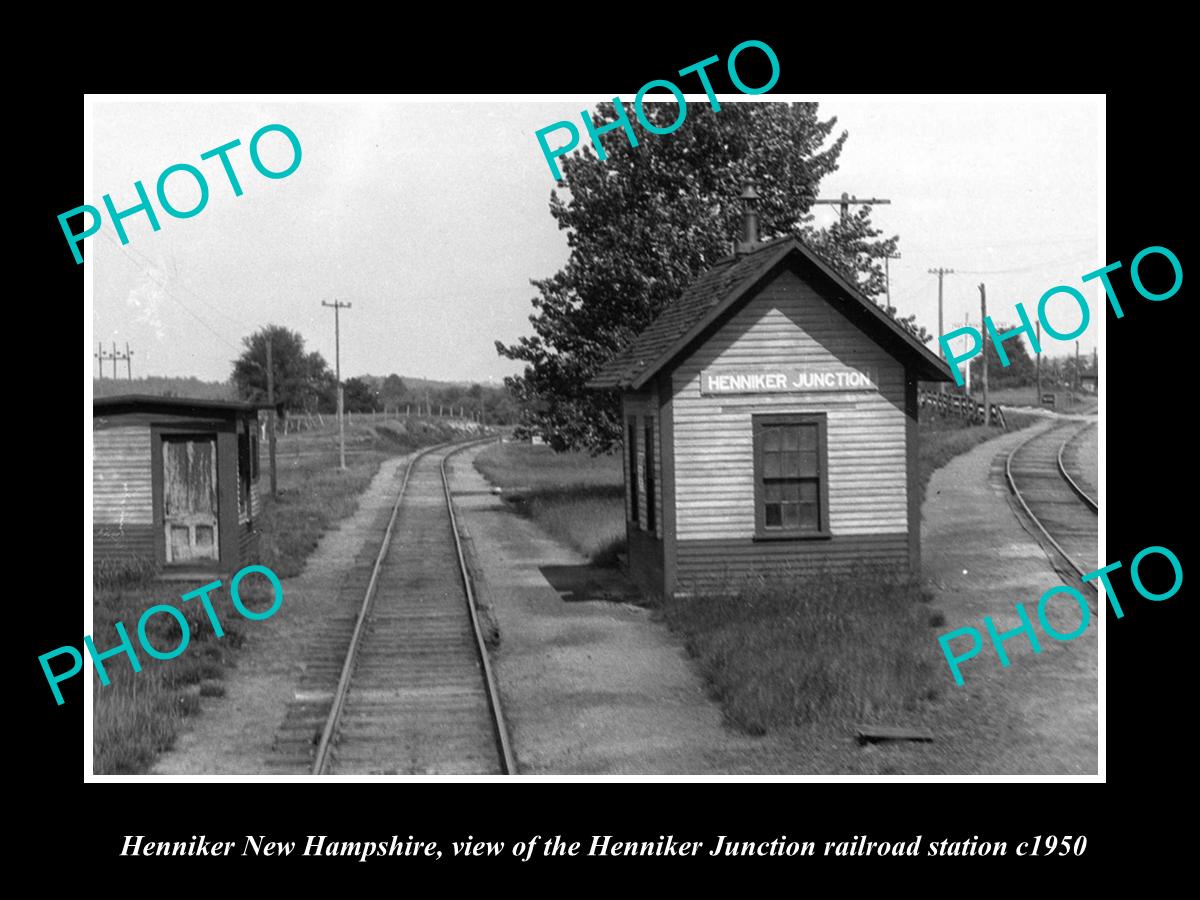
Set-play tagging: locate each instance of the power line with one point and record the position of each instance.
(1029, 268)
(205, 300)
(1030, 242)
(170, 294)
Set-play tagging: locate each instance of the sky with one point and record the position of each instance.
(430, 218)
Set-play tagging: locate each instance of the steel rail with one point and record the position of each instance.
(1074, 485)
(1012, 486)
(507, 761)
(343, 686)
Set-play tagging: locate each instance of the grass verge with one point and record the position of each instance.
(577, 498)
(138, 715)
(791, 650)
(944, 437)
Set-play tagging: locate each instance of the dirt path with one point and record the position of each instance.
(1039, 715)
(1082, 459)
(234, 734)
(589, 686)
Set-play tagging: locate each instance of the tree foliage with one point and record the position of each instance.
(302, 380)
(646, 221)
(393, 391)
(359, 396)
(1021, 370)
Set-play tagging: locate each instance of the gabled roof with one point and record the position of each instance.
(719, 291)
(126, 403)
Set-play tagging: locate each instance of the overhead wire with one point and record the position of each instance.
(145, 270)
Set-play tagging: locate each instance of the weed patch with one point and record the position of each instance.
(792, 650)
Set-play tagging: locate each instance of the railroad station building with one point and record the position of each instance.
(175, 482)
(769, 423)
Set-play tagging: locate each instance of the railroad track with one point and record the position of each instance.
(1055, 502)
(1076, 483)
(414, 691)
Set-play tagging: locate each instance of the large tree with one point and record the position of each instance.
(646, 221)
(301, 379)
(359, 396)
(1020, 371)
(393, 391)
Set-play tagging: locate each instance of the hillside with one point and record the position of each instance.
(164, 386)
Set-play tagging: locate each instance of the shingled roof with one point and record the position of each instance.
(717, 293)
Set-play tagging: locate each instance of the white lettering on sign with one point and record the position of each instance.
(784, 380)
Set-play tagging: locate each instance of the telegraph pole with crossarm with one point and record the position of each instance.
(337, 306)
(846, 201)
(940, 273)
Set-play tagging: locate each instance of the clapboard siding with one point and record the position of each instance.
(718, 565)
(788, 324)
(122, 492)
(123, 543)
(248, 545)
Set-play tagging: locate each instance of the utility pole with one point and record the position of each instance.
(887, 277)
(1038, 365)
(102, 356)
(966, 322)
(114, 359)
(337, 306)
(941, 273)
(271, 400)
(846, 201)
(987, 409)
(128, 362)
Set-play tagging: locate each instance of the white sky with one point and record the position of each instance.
(430, 218)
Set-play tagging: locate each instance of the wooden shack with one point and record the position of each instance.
(769, 423)
(175, 482)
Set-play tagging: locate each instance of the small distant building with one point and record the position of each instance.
(175, 482)
(769, 424)
(1088, 383)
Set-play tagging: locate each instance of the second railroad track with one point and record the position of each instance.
(1059, 507)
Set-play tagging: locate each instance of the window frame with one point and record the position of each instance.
(648, 442)
(631, 455)
(245, 471)
(761, 532)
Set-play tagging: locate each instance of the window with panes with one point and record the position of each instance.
(790, 476)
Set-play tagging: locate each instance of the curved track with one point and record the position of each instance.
(1054, 501)
(415, 693)
(1076, 483)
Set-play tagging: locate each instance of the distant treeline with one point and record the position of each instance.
(162, 386)
(365, 393)
(303, 382)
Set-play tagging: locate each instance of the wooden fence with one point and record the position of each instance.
(950, 404)
(296, 422)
